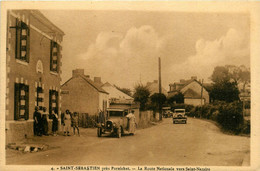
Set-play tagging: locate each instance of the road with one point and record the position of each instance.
(198, 142)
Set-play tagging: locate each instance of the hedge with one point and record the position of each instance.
(228, 115)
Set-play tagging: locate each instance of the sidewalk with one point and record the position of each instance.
(52, 142)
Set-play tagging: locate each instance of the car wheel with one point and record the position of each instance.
(119, 133)
(99, 132)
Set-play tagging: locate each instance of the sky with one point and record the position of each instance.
(123, 47)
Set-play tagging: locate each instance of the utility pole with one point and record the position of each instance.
(160, 90)
(201, 96)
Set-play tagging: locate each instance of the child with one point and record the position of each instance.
(75, 122)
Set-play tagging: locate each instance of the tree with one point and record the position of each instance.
(225, 91)
(225, 82)
(177, 98)
(157, 99)
(125, 90)
(141, 94)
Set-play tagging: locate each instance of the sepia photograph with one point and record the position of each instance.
(134, 86)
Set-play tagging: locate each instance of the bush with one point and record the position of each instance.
(187, 107)
(230, 117)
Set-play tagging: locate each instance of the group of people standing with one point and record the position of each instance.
(41, 121)
(69, 120)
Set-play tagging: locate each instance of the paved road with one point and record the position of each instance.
(196, 143)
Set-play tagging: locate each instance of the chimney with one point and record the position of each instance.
(97, 80)
(194, 77)
(77, 72)
(182, 80)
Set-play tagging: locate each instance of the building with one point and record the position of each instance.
(116, 95)
(81, 94)
(194, 92)
(33, 70)
(154, 87)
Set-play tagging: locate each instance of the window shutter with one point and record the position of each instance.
(50, 102)
(18, 40)
(28, 45)
(57, 100)
(16, 101)
(26, 102)
(51, 55)
(58, 57)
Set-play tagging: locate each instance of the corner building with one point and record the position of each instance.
(33, 65)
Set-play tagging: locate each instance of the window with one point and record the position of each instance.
(22, 41)
(40, 97)
(53, 100)
(54, 56)
(21, 105)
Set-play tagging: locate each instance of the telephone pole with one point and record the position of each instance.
(160, 90)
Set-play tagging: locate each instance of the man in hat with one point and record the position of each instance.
(37, 122)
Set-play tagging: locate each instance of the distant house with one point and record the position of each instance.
(192, 91)
(116, 95)
(154, 87)
(81, 94)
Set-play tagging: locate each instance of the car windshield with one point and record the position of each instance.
(116, 113)
(180, 111)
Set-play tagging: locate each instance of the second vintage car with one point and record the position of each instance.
(179, 116)
(118, 122)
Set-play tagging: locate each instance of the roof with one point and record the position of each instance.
(187, 82)
(191, 94)
(154, 88)
(89, 81)
(46, 21)
(114, 92)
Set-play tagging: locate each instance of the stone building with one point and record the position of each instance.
(154, 88)
(83, 95)
(33, 69)
(192, 91)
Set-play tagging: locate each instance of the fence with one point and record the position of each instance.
(145, 118)
(88, 121)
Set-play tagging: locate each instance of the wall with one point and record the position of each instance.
(81, 97)
(145, 117)
(22, 72)
(194, 102)
(103, 97)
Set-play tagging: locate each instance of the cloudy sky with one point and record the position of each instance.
(122, 47)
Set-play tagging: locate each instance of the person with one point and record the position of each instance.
(36, 123)
(67, 122)
(75, 122)
(131, 122)
(44, 121)
(54, 122)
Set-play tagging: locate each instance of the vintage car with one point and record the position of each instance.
(179, 116)
(118, 122)
(167, 113)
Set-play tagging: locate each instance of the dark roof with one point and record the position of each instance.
(89, 81)
(191, 94)
(187, 82)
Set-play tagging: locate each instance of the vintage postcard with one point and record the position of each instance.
(127, 85)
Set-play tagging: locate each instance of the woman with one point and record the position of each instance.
(67, 122)
(45, 121)
(54, 122)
